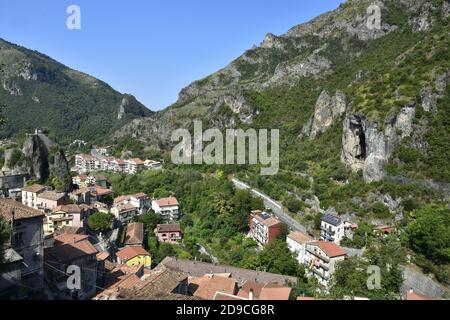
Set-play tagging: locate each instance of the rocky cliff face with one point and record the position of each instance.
(328, 109)
(365, 147)
(41, 159)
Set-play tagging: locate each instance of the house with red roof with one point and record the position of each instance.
(134, 256)
(264, 228)
(321, 259)
(168, 208)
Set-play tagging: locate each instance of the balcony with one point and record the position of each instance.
(320, 274)
(328, 231)
(323, 258)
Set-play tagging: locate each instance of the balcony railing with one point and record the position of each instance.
(326, 259)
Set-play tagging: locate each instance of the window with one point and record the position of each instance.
(18, 239)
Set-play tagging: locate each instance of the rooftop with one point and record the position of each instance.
(209, 285)
(331, 219)
(166, 202)
(299, 237)
(199, 269)
(330, 248)
(70, 238)
(35, 188)
(69, 208)
(266, 219)
(9, 207)
(69, 252)
(174, 227)
(128, 253)
(52, 195)
(135, 234)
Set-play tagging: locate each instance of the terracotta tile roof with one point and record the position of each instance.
(120, 162)
(275, 292)
(81, 191)
(199, 269)
(35, 188)
(159, 284)
(213, 284)
(101, 178)
(221, 296)
(125, 207)
(137, 161)
(69, 230)
(305, 298)
(251, 285)
(166, 202)
(128, 253)
(299, 237)
(103, 255)
(140, 195)
(70, 238)
(135, 234)
(51, 195)
(122, 198)
(100, 191)
(9, 206)
(69, 208)
(330, 248)
(69, 252)
(173, 227)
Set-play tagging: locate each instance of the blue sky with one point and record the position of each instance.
(151, 48)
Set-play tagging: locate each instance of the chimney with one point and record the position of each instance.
(250, 295)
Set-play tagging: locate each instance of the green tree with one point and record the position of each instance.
(150, 220)
(429, 233)
(277, 258)
(4, 236)
(100, 222)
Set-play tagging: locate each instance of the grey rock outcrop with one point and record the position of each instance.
(327, 110)
(365, 147)
(42, 159)
(431, 94)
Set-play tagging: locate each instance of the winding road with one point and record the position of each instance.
(270, 203)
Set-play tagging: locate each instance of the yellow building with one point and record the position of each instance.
(134, 256)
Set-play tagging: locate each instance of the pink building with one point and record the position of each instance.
(47, 201)
(170, 233)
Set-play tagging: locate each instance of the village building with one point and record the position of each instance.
(170, 233)
(30, 193)
(134, 256)
(139, 200)
(135, 165)
(199, 269)
(152, 165)
(74, 250)
(25, 250)
(85, 163)
(159, 284)
(134, 235)
(322, 258)
(207, 286)
(296, 242)
(49, 200)
(99, 193)
(168, 208)
(125, 212)
(71, 215)
(334, 229)
(263, 227)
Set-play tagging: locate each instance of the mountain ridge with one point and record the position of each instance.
(39, 91)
